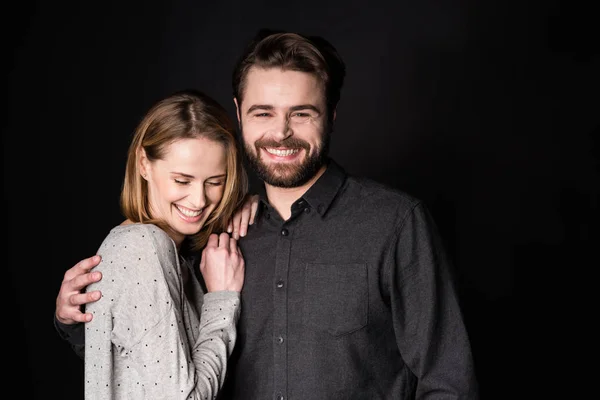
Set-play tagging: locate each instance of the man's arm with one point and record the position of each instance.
(74, 334)
(428, 321)
(71, 300)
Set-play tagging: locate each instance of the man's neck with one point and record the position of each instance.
(281, 199)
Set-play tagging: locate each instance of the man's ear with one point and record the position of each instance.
(238, 112)
(331, 122)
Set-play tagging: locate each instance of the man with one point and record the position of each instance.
(348, 291)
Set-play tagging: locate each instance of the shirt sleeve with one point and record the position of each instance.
(428, 322)
(140, 329)
(73, 334)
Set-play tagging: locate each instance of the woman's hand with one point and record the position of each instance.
(222, 264)
(244, 216)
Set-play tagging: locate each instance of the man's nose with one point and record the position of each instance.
(282, 130)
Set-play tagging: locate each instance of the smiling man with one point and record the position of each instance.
(348, 293)
(284, 122)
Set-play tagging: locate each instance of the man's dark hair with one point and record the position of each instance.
(295, 52)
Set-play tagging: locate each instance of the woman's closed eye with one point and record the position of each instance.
(215, 183)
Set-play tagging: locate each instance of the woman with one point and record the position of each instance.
(157, 333)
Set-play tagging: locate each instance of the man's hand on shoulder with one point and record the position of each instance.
(71, 296)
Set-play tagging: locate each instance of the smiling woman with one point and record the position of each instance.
(186, 185)
(183, 181)
(157, 150)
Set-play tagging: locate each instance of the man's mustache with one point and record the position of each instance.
(291, 143)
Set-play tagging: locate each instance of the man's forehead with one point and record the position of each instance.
(278, 87)
(256, 73)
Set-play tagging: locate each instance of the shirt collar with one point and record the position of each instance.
(321, 194)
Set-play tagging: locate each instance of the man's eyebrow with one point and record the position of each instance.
(299, 107)
(259, 107)
(305, 107)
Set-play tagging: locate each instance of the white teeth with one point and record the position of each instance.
(189, 213)
(281, 153)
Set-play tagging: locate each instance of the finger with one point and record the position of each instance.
(81, 281)
(82, 317)
(229, 226)
(84, 298)
(244, 220)
(82, 267)
(237, 217)
(233, 247)
(254, 209)
(224, 240)
(203, 261)
(213, 240)
(77, 316)
(86, 317)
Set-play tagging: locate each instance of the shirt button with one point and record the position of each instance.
(279, 397)
(284, 232)
(279, 339)
(307, 210)
(280, 284)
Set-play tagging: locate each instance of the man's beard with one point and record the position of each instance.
(288, 175)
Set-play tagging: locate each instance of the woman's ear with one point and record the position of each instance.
(143, 163)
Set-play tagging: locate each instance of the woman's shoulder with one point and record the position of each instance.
(132, 261)
(135, 238)
(129, 250)
(138, 233)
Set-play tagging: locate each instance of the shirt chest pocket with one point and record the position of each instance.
(336, 297)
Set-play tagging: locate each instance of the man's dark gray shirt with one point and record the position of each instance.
(350, 298)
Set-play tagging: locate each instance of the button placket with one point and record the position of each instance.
(279, 332)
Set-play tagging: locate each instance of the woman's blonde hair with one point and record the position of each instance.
(183, 115)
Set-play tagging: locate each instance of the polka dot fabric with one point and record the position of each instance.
(155, 334)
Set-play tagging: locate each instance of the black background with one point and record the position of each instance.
(488, 111)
